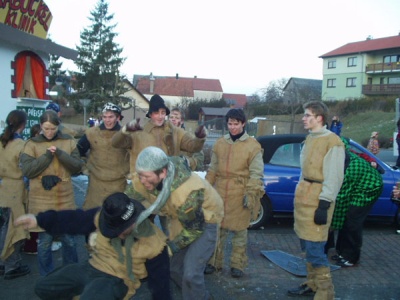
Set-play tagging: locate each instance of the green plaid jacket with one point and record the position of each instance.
(362, 185)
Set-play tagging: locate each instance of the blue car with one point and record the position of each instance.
(282, 171)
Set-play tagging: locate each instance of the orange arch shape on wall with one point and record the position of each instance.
(29, 76)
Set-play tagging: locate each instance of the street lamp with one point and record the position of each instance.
(134, 108)
(85, 103)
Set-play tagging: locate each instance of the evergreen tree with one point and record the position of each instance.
(58, 81)
(99, 59)
(54, 68)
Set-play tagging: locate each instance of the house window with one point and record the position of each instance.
(352, 61)
(351, 82)
(29, 76)
(331, 83)
(390, 59)
(331, 64)
(394, 80)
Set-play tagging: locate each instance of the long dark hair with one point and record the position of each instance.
(51, 117)
(14, 121)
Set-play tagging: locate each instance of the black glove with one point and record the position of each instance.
(321, 213)
(49, 181)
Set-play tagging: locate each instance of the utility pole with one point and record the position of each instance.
(85, 103)
(134, 108)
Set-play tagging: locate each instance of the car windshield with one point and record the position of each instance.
(287, 155)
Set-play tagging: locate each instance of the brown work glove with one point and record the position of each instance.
(200, 132)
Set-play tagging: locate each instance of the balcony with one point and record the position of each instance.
(382, 68)
(381, 89)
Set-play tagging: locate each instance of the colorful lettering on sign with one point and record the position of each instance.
(31, 16)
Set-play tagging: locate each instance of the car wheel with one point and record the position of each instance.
(264, 215)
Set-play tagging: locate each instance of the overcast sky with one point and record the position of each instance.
(244, 44)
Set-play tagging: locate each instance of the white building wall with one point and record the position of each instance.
(341, 73)
(7, 103)
(207, 95)
(6, 86)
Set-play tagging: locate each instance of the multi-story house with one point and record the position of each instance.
(360, 69)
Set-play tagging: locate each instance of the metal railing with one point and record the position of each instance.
(381, 89)
(383, 67)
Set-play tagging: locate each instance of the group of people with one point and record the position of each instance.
(198, 214)
(125, 246)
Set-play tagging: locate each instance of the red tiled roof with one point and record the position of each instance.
(366, 46)
(182, 87)
(240, 99)
(201, 84)
(167, 86)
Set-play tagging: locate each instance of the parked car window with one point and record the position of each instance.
(355, 149)
(287, 155)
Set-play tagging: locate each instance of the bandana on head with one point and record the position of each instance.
(53, 106)
(112, 107)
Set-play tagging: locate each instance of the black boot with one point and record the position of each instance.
(18, 272)
(236, 273)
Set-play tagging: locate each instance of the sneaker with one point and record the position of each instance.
(236, 273)
(18, 272)
(301, 290)
(55, 246)
(344, 263)
(336, 257)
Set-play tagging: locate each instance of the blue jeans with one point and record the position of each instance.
(315, 253)
(45, 257)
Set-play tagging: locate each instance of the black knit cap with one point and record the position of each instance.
(118, 213)
(156, 102)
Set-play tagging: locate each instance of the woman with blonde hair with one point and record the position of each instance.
(13, 197)
(49, 160)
